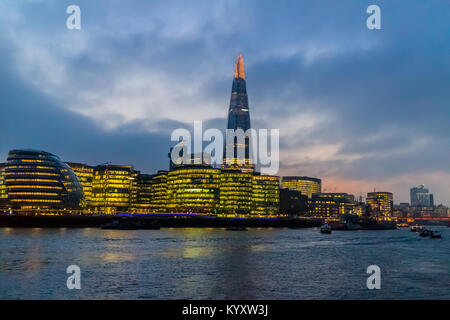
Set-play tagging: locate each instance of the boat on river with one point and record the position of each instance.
(435, 234)
(346, 222)
(417, 228)
(325, 228)
(425, 233)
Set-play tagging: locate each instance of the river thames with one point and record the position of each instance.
(219, 264)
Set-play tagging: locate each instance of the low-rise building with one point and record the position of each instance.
(306, 185)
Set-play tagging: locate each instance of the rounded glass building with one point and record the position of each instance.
(38, 180)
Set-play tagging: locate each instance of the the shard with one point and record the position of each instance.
(239, 118)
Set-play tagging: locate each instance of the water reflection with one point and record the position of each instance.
(116, 257)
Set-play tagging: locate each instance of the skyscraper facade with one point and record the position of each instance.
(420, 196)
(239, 155)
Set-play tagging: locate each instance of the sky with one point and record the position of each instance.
(361, 109)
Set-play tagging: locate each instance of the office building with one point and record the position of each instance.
(293, 203)
(381, 203)
(112, 188)
(159, 191)
(330, 205)
(420, 196)
(349, 197)
(193, 189)
(142, 195)
(306, 185)
(265, 195)
(235, 192)
(85, 175)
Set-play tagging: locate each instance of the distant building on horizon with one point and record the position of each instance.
(349, 197)
(404, 206)
(420, 196)
(306, 185)
(293, 203)
(381, 203)
(331, 205)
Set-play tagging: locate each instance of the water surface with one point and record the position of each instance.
(219, 264)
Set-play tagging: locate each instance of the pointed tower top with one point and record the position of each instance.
(239, 67)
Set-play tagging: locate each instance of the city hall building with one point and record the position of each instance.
(34, 180)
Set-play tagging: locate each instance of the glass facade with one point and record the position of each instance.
(193, 189)
(265, 195)
(85, 175)
(330, 205)
(143, 200)
(40, 180)
(238, 118)
(112, 188)
(420, 196)
(203, 189)
(306, 185)
(235, 192)
(381, 203)
(159, 191)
